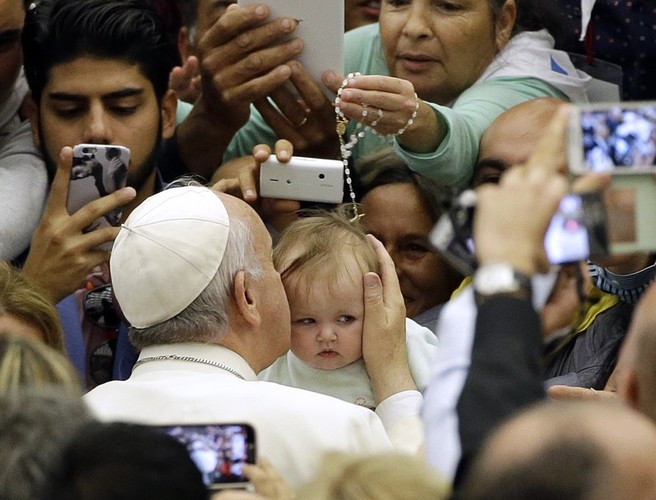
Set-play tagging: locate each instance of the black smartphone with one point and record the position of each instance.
(218, 450)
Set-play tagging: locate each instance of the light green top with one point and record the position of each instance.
(453, 161)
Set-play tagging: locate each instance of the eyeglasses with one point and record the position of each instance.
(99, 307)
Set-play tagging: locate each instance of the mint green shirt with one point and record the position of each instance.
(472, 113)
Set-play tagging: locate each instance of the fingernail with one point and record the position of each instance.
(370, 280)
(260, 11)
(283, 155)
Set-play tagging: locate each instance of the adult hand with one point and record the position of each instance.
(242, 59)
(306, 119)
(267, 482)
(383, 340)
(241, 177)
(61, 254)
(567, 393)
(389, 105)
(185, 81)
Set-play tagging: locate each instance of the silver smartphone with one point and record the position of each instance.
(620, 139)
(218, 450)
(303, 179)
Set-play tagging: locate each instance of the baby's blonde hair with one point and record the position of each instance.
(321, 245)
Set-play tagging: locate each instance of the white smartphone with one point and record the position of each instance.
(321, 28)
(303, 179)
(620, 139)
(98, 170)
(218, 450)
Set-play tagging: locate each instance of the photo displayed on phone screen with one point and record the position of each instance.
(98, 170)
(218, 450)
(620, 137)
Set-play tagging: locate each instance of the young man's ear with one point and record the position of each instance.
(246, 299)
(30, 110)
(169, 108)
(505, 23)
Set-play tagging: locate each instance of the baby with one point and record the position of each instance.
(322, 260)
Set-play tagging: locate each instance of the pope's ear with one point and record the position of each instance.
(246, 299)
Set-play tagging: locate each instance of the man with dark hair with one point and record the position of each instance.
(118, 461)
(98, 71)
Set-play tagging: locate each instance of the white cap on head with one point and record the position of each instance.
(167, 252)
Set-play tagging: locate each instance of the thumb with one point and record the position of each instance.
(373, 290)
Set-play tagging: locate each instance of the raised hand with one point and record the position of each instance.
(61, 253)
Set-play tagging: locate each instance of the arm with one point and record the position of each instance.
(23, 190)
(505, 230)
(463, 125)
(385, 355)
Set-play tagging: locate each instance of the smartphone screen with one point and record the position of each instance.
(578, 229)
(98, 170)
(218, 450)
(618, 138)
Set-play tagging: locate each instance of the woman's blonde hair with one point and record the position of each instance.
(388, 476)
(27, 302)
(25, 362)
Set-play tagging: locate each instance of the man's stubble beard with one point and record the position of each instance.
(135, 179)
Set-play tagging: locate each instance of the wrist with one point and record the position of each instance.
(392, 382)
(501, 279)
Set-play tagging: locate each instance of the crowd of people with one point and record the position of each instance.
(306, 350)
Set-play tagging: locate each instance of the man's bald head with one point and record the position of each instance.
(568, 450)
(511, 138)
(637, 364)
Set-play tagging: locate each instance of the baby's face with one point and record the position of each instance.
(326, 321)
